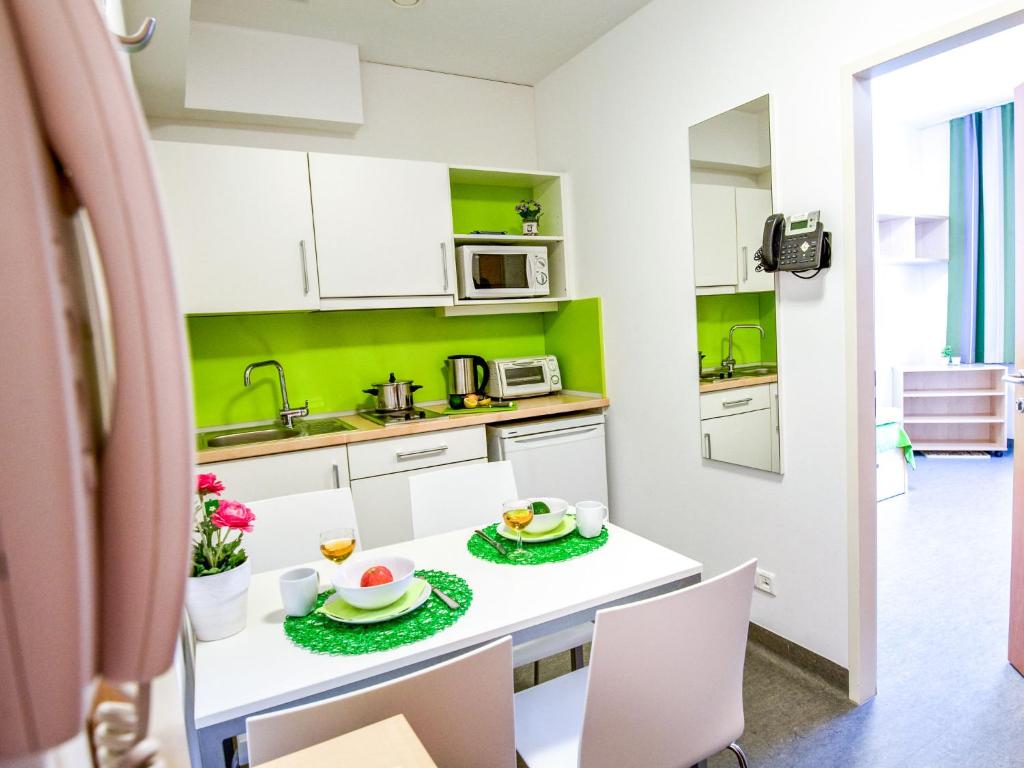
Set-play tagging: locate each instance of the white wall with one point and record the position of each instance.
(408, 113)
(911, 177)
(616, 117)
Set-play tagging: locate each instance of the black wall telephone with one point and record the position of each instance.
(794, 244)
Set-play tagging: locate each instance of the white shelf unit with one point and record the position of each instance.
(548, 188)
(912, 239)
(953, 407)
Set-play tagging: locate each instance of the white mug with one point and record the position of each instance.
(299, 588)
(590, 517)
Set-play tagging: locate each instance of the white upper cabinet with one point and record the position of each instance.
(753, 206)
(240, 226)
(714, 235)
(383, 227)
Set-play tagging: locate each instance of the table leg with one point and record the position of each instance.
(215, 749)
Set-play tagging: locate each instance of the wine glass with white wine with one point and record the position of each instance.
(336, 544)
(517, 514)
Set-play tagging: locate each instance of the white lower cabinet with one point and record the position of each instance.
(738, 427)
(381, 470)
(266, 477)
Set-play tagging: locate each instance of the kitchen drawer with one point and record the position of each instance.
(729, 402)
(431, 449)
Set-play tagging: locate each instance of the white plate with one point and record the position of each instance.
(427, 591)
(570, 515)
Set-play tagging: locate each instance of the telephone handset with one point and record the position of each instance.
(794, 244)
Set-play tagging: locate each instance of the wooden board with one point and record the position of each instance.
(741, 381)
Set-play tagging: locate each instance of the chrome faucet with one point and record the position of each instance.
(729, 363)
(288, 413)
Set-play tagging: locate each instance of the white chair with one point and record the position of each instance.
(461, 710)
(470, 496)
(463, 496)
(664, 685)
(287, 528)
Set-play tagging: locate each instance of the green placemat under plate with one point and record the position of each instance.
(319, 634)
(565, 548)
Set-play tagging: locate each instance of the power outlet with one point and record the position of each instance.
(764, 581)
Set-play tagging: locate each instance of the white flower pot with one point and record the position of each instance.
(531, 227)
(217, 604)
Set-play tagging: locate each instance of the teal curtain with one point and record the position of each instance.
(980, 307)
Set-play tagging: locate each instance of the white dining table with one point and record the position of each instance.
(260, 670)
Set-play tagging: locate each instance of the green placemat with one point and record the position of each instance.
(565, 548)
(319, 634)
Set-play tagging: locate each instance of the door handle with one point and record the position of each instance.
(444, 263)
(746, 266)
(337, 475)
(707, 445)
(305, 268)
(553, 435)
(423, 452)
(734, 403)
(1014, 378)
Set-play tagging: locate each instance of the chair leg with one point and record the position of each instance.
(741, 756)
(576, 658)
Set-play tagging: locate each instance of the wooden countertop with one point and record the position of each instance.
(741, 381)
(529, 408)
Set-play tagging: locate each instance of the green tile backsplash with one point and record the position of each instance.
(330, 357)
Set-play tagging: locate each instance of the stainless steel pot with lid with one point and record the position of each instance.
(393, 394)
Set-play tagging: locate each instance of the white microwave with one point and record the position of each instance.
(512, 377)
(502, 271)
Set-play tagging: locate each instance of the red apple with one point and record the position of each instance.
(376, 575)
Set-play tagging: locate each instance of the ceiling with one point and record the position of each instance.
(975, 76)
(520, 41)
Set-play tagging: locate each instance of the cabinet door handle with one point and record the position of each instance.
(337, 475)
(707, 445)
(746, 266)
(444, 263)
(556, 435)
(305, 268)
(422, 452)
(734, 403)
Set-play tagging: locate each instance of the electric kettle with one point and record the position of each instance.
(462, 377)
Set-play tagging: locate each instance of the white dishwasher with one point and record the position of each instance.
(563, 456)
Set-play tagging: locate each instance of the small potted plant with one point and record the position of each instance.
(218, 583)
(947, 352)
(530, 212)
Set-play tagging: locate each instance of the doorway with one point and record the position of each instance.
(908, 236)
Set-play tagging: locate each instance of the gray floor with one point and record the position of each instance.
(947, 696)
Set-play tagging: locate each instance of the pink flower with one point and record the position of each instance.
(208, 483)
(233, 515)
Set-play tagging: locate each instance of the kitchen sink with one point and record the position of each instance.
(252, 436)
(249, 435)
(765, 369)
(741, 371)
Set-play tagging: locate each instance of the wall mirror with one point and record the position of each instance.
(731, 196)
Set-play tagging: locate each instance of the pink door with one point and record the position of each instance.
(1016, 652)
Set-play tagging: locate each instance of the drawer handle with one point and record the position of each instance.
(422, 452)
(734, 403)
(336, 472)
(707, 445)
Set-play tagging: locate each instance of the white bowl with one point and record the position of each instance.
(550, 521)
(346, 580)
